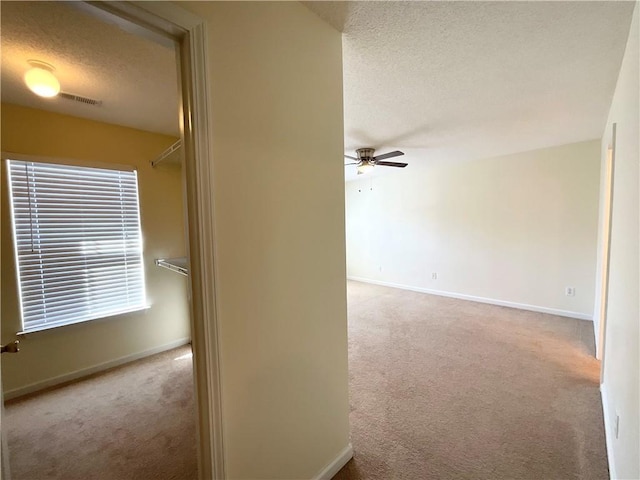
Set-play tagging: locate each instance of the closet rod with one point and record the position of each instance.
(167, 153)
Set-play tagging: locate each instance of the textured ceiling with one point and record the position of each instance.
(452, 81)
(135, 78)
(442, 81)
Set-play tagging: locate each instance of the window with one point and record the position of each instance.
(78, 243)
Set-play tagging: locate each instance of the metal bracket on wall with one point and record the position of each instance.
(178, 265)
(170, 153)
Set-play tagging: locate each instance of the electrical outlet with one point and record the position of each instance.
(434, 276)
(617, 425)
(570, 291)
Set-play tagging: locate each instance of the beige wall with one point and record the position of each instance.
(276, 84)
(62, 351)
(621, 352)
(515, 229)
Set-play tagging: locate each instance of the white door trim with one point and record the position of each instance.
(168, 20)
(610, 162)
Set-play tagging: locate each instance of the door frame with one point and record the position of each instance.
(609, 172)
(167, 21)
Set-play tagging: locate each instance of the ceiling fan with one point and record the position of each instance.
(366, 161)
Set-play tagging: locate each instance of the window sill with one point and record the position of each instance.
(48, 328)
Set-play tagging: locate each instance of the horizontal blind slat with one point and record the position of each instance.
(35, 261)
(82, 313)
(67, 301)
(104, 289)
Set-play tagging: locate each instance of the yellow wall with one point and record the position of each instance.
(65, 350)
(276, 84)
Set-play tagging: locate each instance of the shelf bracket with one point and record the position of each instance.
(178, 265)
(167, 153)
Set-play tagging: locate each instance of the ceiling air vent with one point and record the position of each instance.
(78, 98)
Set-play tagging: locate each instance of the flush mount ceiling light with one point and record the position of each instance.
(41, 80)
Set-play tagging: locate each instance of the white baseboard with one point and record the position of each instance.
(608, 431)
(491, 301)
(335, 465)
(84, 372)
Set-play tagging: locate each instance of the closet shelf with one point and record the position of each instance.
(170, 155)
(178, 265)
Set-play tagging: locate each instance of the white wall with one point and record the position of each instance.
(621, 352)
(515, 229)
(276, 84)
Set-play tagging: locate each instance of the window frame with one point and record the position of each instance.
(5, 158)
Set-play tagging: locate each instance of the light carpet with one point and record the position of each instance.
(440, 389)
(132, 422)
(450, 389)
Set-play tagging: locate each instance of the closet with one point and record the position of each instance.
(172, 155)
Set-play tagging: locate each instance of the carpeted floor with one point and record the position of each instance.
(449, 389)
(440, 389)
(132, 422)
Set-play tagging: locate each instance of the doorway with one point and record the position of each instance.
(188, 32)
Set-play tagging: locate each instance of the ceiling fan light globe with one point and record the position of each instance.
(42, 82)
(364, 168)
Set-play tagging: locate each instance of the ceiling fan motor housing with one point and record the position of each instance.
(365, 154)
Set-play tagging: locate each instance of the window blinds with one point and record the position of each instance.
(78, 242)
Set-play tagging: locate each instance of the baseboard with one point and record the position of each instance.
(84, 372)
(608, 431)
(333, 467)
(491, 301)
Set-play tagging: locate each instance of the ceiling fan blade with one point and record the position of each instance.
(392, 164)
(349, 156)
(384, 156)
(356, 163)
